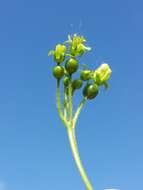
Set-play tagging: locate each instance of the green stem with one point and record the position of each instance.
(70, 101)
(78, 112)
(65, 103)
(71, 131)
(77, 159)
(58, 101)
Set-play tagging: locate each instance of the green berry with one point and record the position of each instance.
(71, 65)
(85, 75)
(90, 91)
(66, 81)
(58, 72)
(77, 84)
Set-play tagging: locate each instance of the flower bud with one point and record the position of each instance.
(102, 74)
(58, 53)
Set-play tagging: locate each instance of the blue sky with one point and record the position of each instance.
(34, 149)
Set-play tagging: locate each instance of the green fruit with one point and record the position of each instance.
(90, 91)
(77, 84)
(58, 72)
(85, 75)
(66, 81)
(71, 65)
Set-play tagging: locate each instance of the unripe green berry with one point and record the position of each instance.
(66, 81)
(77, 84)
(85, 75)
(71, 65)
(58, 72)
(90, 91)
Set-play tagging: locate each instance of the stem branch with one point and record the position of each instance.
(59, 104)
(70, 101)
(78, 112)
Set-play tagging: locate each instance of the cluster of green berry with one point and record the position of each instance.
(66, 58)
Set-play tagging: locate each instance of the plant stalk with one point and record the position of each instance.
(77, 159)
(70, 125)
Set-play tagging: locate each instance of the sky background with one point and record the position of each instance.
(34, 149)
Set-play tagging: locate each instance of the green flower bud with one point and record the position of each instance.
(59, 59)
(71, 65)
(85, 75)
(58, 72)
(90, 91)
(58, 53)
(102, 74)
(77, 84)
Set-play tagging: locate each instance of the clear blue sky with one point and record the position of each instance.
(34, 149)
